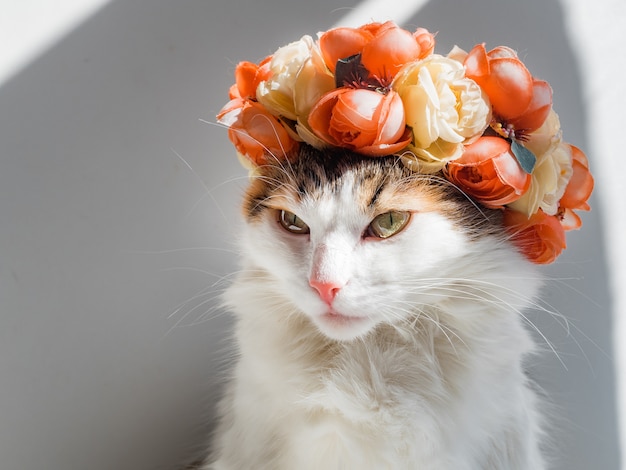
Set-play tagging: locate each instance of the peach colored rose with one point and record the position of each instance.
(248, 75)
(255, 133)
(580, 184)
(444, 109)
(577, 191)
(384, 48)
(519, 100)
(537, 111)
(393, 47)
(489, 172)
(540, 237)
(365, 121)
(504, 78)
(344, 42)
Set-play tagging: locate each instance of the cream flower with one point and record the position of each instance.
(298, 79)
(547, 138)
(444, 109)
(276, 93)
(548, 182)
(552, 171)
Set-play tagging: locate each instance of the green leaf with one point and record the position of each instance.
(525, 157)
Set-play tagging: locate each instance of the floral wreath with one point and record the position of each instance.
(479, 118)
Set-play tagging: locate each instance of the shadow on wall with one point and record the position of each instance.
(119, 207)
(576, 369)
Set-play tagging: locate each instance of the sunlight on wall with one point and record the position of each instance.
(396, 10)
(596, 33)
(29, 28)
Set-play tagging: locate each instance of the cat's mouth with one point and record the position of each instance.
(343, 327)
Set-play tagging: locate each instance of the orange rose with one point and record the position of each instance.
(255, 133)
(341, 43)
(517, 98)
(384, 48)
(580, 185)
(392, 47)
(489, 172)
(577, 192)
(538, 109)
(248, 75)
(365, 121)
(540, 238)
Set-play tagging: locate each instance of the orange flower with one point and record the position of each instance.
(341, 43)
(578, 190)
(541, 238)
(384, 48)
(580, 185)
(392, 47)
(538, 109)
(365, 121)
(517, 98)
(505, 79)
(255, 133)
(489, 172)
(248, 75)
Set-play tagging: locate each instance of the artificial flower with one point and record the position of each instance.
(489, 172)
(521, 103)
(540, 237)
(537, 110)
(479, 118)
(313, 81)
(256, 133)
(504, 78)
(549, 178)
(580, 184)
(384, 48)
(578, 190)
(392, 47)
(248, 75)
(276, 92)
(366, 121)
(297, 79)
(547, 137)
(343, 42)
(444, 109)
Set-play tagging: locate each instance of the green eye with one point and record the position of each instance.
(292, 223)
(388, 224)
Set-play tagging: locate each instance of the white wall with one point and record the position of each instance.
(105, 231)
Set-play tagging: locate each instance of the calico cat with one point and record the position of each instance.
(379, 325)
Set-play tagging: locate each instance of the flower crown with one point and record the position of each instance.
(478, 118)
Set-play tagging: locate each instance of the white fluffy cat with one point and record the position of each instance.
(379, 326)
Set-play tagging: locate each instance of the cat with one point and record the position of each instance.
(379, 325)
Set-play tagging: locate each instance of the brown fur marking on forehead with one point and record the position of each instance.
(384, 184)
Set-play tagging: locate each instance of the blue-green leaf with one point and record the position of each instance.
(525, 157)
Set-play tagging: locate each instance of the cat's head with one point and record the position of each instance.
(352, 242)
(355, 241)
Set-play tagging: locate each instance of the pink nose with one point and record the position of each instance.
(327, 290)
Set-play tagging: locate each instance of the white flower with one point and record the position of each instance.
(443, 108)
(552, 171)
(293, 87)
(298, 80)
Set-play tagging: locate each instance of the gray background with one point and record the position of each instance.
(113, 248)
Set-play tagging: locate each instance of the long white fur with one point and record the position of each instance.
(432, 376)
